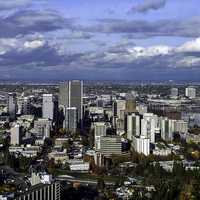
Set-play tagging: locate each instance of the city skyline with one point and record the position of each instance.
(100, 40)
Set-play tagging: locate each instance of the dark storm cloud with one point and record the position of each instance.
(30, 21)
(30, 56)
(148, 5)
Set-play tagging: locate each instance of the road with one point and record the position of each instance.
(81, 181)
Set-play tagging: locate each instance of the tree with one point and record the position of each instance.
(100, 184)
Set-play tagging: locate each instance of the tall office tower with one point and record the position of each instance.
(99, 131)
(71, 117)
(12, 105)
(141, 145)
(149, 124)
(119, 107)
(71, 95)
(167, 129)
(174, 92)
(47, 106)
(133, 125)
(26, 106)
(190, 92)
(16, 134)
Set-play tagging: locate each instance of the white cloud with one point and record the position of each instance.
(191, 46)
(34, 44)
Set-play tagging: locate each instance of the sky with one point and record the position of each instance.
(100, 40)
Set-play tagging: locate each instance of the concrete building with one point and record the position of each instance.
(42, 128)
(119, 107)
(59, 156)
(42, 191)
(181, 126)
(110, 145)
(26, 151)
(190, 92)
(70, 95)
(148, 126)
(12, 105)
(16, 134)
(141, 145)
(79, 165)
(24, 105)
(133, 125)
(141, 109)
(130, 105)
(167, 128)
(174, 92)
(47, 106)
(99, 131)
(71, 119)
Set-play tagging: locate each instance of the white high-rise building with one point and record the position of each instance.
(16, 134)
(99, 131)
(133, 125)
(149, 124)
(47, 106)
(190, 92)
(141, 145)
(169, 126)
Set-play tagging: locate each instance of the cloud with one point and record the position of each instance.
(12, 4)
(144, 29)
(191, 46)
(31, 21)
(7, 5)
(148, 5)
(32, 53)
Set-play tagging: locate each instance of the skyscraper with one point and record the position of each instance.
(47, 106)
(16, 134)
(119, 107)
(70, 95)
(70, 122)
(12, 105)
(99, 131)
(133, 125)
